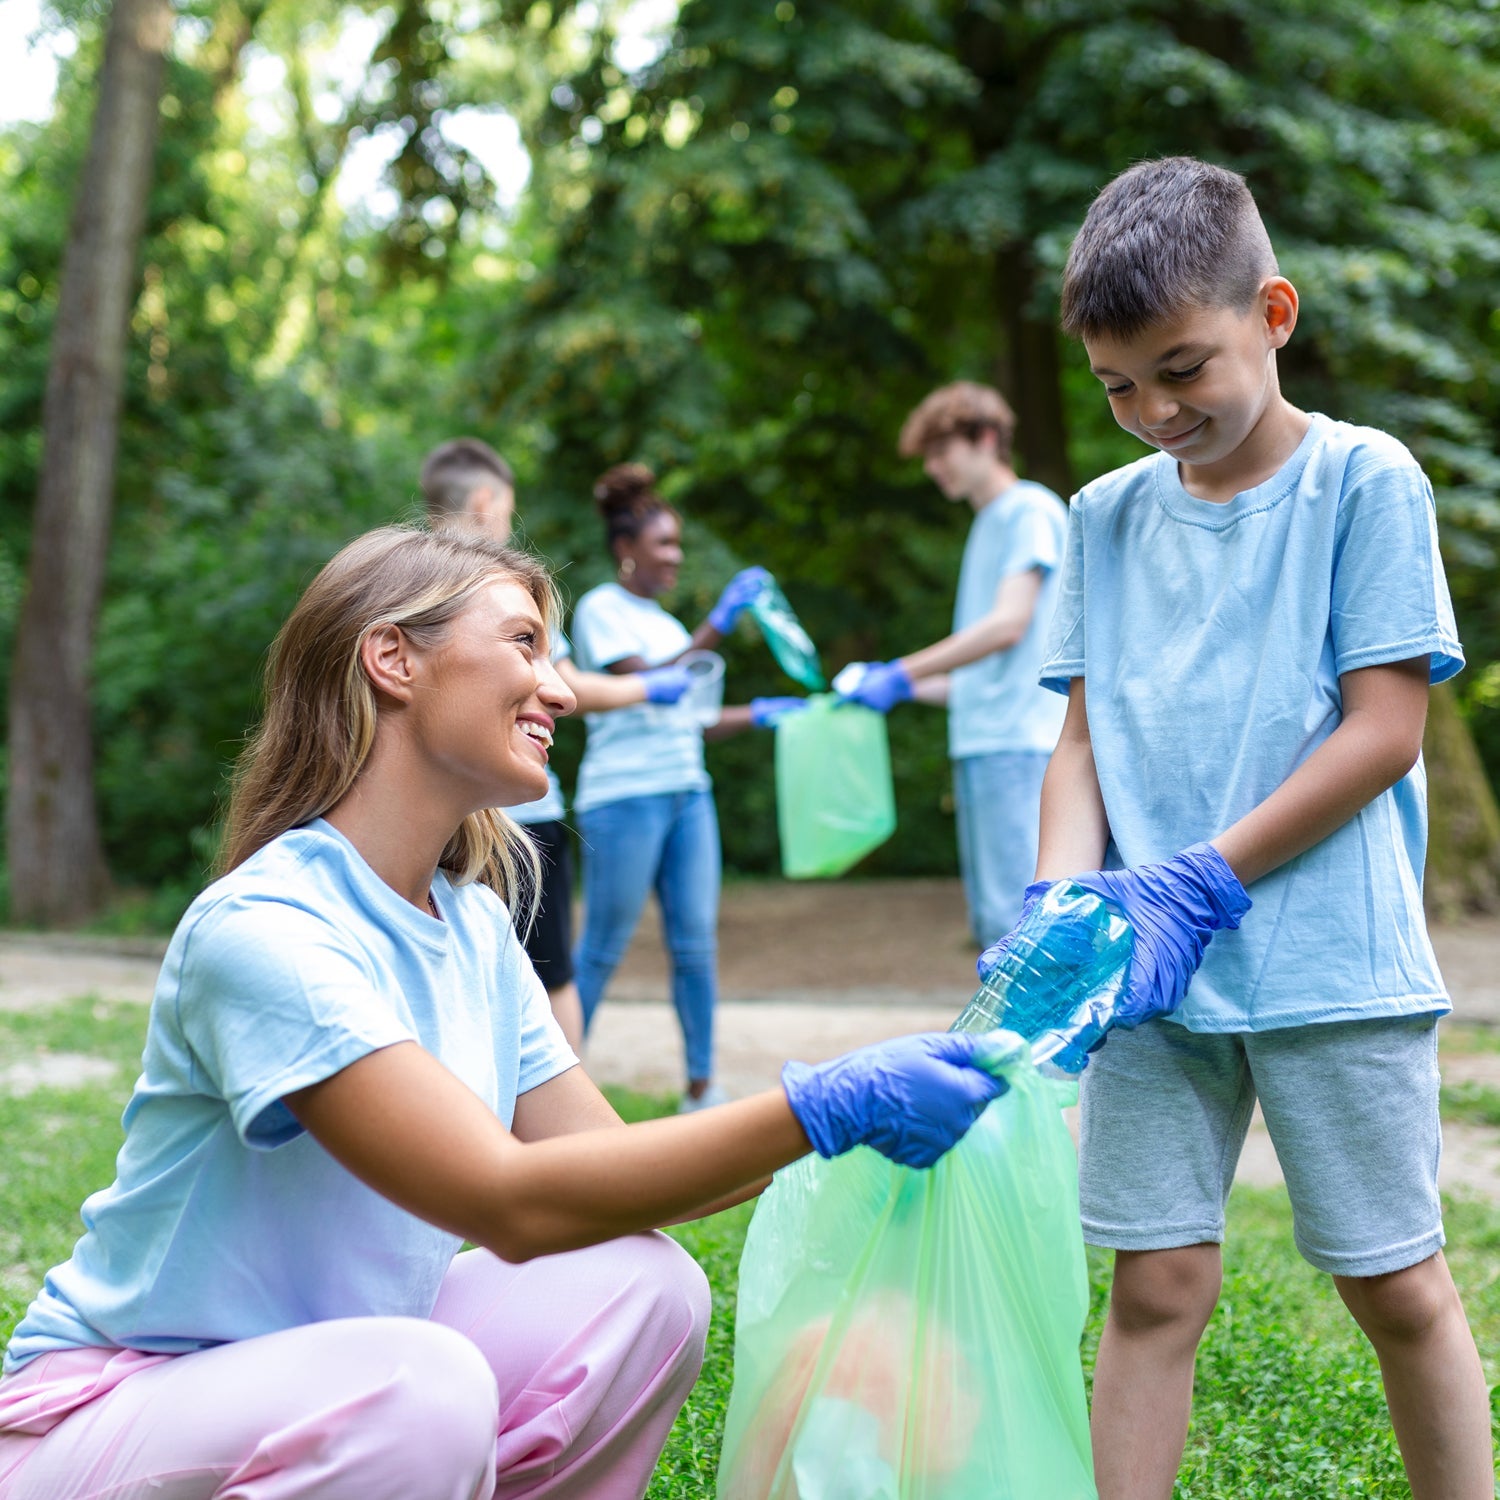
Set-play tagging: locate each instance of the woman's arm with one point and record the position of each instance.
(598, 692)
(406, 1127)
(1376, 743)
(1074, 827)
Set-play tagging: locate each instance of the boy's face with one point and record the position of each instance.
(1199, 385)
(957, 465)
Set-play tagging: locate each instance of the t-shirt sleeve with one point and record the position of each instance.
(1063, 656)
(1034, 540)
(544, 1050)
(562, 647)
(1390, 597)
(604, 631)
(271, 999)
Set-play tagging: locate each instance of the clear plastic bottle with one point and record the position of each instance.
(1059, 981)
(790, 644)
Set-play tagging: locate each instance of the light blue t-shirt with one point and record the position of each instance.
(995, 704)
(548, 808)
(226, 1220)
(648, 749)
(1212, 638)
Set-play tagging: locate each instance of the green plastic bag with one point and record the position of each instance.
(834, 797)
(790, 644)
(909, 1335)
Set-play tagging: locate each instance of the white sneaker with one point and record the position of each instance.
(712, 1095)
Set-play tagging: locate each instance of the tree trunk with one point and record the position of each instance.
(57, 868)
(1030, 373)
(1463, 843)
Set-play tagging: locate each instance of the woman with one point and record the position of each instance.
(645, 810)
(350, 1068)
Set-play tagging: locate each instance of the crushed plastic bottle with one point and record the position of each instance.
(790, 644)
(1060, 980)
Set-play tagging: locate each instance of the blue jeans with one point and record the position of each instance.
(999, 804)
(668, 843)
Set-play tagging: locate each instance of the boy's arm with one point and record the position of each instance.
(1074, 828)
(1376, 743)
(1007, 622)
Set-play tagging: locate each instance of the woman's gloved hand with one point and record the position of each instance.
(666, 684)
(739, 594)
(767, 713)
(1175, 907)
(880, 685)
(911, 1098)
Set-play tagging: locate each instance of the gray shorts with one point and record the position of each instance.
(1352, 1109)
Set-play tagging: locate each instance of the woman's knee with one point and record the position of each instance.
(1156, 1289)
(665, 1297)
(436, 1393)
(1401, 1306)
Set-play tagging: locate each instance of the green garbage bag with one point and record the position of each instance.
(834, 797)
(909, 1335)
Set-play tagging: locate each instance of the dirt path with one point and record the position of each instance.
(806, 971)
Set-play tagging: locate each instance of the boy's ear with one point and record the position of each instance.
(1279, 298)
(389, 662)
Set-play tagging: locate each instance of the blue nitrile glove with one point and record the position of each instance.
(739, 594)
(1175, 907)
(666, 684)
(911, 1098)
(881, 686)
(989, 960)
(767, 713)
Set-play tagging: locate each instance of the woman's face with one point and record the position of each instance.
(491, 697)
(657, 555)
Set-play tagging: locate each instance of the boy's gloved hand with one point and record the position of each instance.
(739, 594)
(666, 684)
(911, 1098)
(881, 685)
(767, 713)
(1175, 907)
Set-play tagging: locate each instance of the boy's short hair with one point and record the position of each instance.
(964, 409)
(1163, 237)
(454, 470)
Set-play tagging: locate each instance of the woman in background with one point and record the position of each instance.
(645, 808)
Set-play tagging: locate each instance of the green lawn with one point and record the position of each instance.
(1288, 1402)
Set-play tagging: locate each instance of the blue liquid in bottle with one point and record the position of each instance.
(1060, 980)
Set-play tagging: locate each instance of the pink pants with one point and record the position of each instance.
(560, 1377)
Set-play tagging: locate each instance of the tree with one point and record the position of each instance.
(57, 867)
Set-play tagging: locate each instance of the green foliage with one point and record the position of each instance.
(742, 262)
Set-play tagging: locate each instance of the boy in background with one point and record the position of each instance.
(465, 482)
(1246, 629)
(1001, 724)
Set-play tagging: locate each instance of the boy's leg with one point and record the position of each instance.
(998, 800)
(594, 1352)
(1159, 1305)
(621, 844)
(1164, 1114)
(1434, 1383)
(1353, 1110)
(549, 943)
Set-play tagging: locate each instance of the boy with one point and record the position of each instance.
(1246, 628)
(466, 482)
(1001, 724)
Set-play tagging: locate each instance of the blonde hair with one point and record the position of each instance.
(319, 721)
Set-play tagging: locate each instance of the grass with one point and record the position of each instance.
(1288, 1396)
